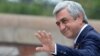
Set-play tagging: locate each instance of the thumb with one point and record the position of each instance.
(39, 49)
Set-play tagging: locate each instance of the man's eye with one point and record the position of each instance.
(58, 23)
(64, 21)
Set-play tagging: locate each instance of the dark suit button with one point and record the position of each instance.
(64, 52)
(61, 51)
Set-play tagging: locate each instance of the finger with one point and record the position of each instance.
(39, 49)
(41, 33)
(45, 35)
(39, 37)
(47, 39)
(50, 36)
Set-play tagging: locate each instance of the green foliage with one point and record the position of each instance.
(38, 7)
(26, 8)
(92, 8)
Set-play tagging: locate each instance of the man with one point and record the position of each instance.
(73, 24)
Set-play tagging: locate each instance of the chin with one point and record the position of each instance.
(69, 37)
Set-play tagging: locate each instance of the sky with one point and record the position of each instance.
(53, 1)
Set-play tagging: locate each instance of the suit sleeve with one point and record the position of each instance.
(88, 48)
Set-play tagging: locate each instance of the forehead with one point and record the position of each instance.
(62, 14)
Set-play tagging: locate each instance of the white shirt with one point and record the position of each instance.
(75, 38)
(80, 32)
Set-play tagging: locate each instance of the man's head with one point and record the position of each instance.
(70, 18)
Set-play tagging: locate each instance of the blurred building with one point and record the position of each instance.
(17, 34)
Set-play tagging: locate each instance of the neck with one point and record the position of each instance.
(81, 25)
(82, 28)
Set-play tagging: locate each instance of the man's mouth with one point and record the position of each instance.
(65, 31)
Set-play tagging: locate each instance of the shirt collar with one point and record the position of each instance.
(80, 32)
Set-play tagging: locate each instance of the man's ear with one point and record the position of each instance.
(80, 18)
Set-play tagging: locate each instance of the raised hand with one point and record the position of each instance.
(45, 38)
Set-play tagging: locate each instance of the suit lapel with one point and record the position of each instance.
(82, 36)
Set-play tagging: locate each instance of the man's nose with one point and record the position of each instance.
(62, 26)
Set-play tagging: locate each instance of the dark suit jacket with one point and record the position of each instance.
(87, 44)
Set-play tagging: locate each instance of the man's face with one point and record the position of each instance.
(68, 26)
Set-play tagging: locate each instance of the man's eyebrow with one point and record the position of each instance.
(64, 18)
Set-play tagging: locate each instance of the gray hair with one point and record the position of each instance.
(73, 8)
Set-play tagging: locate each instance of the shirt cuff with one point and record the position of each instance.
(55, 51)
